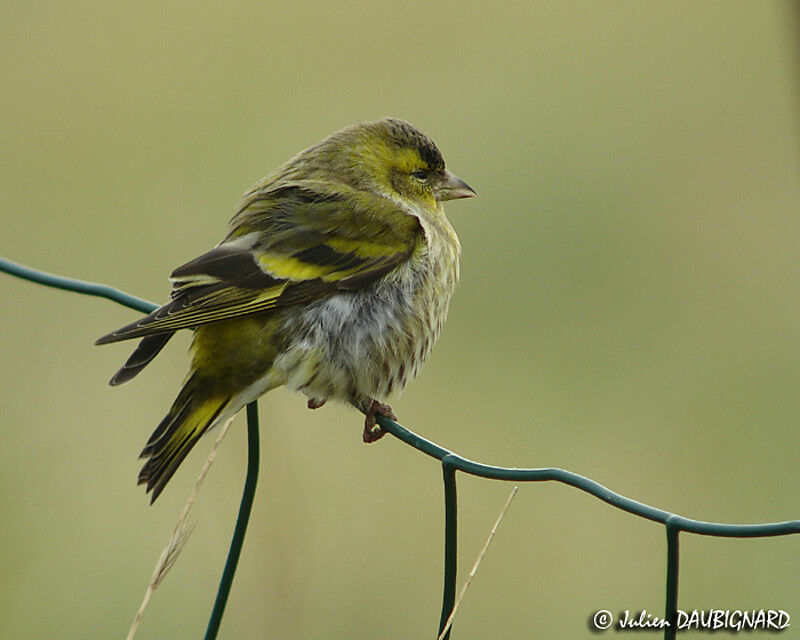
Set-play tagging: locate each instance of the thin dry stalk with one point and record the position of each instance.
(180, 534)
(475, 566)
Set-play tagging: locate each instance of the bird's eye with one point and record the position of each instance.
(419, 174)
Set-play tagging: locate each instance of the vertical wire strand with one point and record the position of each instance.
(245, 506)
(671, 606)
(450, 543)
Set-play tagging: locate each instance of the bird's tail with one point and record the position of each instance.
(194, 412)
(148, 348)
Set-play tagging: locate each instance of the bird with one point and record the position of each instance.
(333, 280)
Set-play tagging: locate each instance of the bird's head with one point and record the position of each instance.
(395, 158)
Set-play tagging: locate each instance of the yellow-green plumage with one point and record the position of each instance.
(334, 280)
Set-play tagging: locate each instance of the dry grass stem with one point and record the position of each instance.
(180, 534)
(475, 566)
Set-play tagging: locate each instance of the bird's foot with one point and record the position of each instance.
(373, 432)
(314, 403)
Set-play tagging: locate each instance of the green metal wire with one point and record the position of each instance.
(251, 479)
(591, 487)
(450, 543)
(451, 463)
(78, 286)
(671, 606)
(253, 454)
(674, 523)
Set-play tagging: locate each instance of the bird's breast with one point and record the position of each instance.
(371, 342)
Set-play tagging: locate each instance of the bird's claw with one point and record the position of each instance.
(372, 431)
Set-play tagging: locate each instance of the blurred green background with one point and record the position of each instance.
(629, 310)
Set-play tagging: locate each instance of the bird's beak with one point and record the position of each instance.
(453, 188)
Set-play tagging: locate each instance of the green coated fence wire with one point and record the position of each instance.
(451, 463)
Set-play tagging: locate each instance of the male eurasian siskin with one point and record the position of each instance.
(334, 280)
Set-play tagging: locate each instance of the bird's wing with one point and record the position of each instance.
(290, 245)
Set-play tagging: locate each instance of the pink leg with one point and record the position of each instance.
(372, 432)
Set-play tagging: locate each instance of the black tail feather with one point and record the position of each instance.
(172, 421)
(148, 349)
(194, 411)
